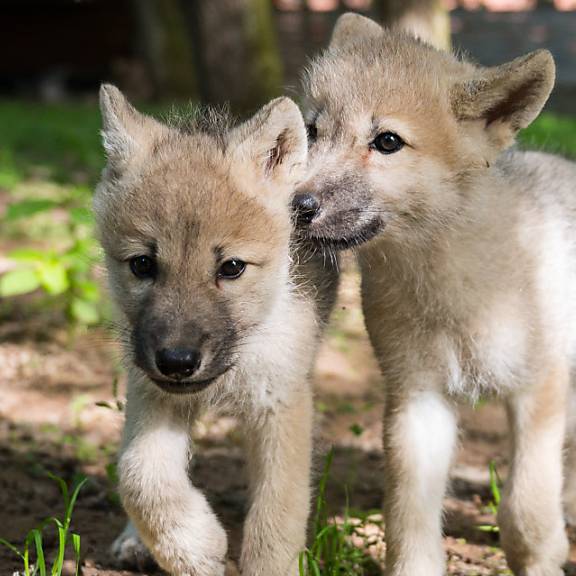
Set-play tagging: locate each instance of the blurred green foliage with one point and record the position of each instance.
(55, 143)
(552, 133)
(50, 160)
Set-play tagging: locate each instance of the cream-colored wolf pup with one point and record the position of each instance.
(217, 313)
(468, 260)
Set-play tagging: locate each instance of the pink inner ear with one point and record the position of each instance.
(276, 154)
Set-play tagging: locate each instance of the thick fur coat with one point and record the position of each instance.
(468, 260)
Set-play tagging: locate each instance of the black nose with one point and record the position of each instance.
(177, 363)
(305, 207)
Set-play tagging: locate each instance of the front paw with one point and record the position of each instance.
(129, 552)
(193, 550)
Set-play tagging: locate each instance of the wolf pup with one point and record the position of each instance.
(218, 313)
(468, 261)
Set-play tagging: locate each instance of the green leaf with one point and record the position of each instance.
(356, 429)
(487, 528)
(26, 208)
(81, 216)
(28, 255)
(84, 312)
(104, 404)
(19, 281)
(8, 178)
(112, 472)
(53, 277)
(88, 290)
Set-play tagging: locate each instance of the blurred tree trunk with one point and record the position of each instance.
(426, 19)
(167, 47)
(236, 52)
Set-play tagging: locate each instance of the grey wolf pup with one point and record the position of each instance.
(468, 261)
(218, 312)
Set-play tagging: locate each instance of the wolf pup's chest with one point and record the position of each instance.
(490, 353)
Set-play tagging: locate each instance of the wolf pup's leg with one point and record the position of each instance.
(419, 437)
(570, 459)
(172, 517)
(530, 516)
(279, 454)
(129, 552)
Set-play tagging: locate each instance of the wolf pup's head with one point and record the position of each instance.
(195, 224)
(397, 129)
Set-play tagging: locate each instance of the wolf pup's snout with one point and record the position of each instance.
(306, 208)
(178, 363)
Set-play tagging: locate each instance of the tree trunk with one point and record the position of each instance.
(236, 52)
(167, 47)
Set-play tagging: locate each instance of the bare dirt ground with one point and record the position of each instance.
(49, 421)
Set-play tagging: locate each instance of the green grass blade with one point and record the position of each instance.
(51, 520)
(76, 546)
(26, 558)
(36, 536)
(70, 506)
(487, 528)
(12, 547)
(495, 484)
(301, 569)
(59, 562)
(315, 568)
(320, 517)
(63, 487)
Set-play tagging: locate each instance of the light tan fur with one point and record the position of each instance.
(190, 198)
(468, 261)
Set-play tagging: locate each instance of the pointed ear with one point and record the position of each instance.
(350, 27)
(506, 98)
(273, 142)
(124, 130)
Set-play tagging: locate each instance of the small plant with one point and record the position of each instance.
(493, 505)
(118, 403)
(357, 429)
(332, 552)
(64, 273)
(33, 540)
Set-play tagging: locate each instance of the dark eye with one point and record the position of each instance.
(231, 269)
(143, 267)
(387, 143)
(312, 132)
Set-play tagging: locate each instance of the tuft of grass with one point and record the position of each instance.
(332, 553)
(494, 504)
(33, 542)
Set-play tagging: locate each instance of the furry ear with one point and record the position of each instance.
(274, 141)
(506, 98)
(351, 26)
(124, 129)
